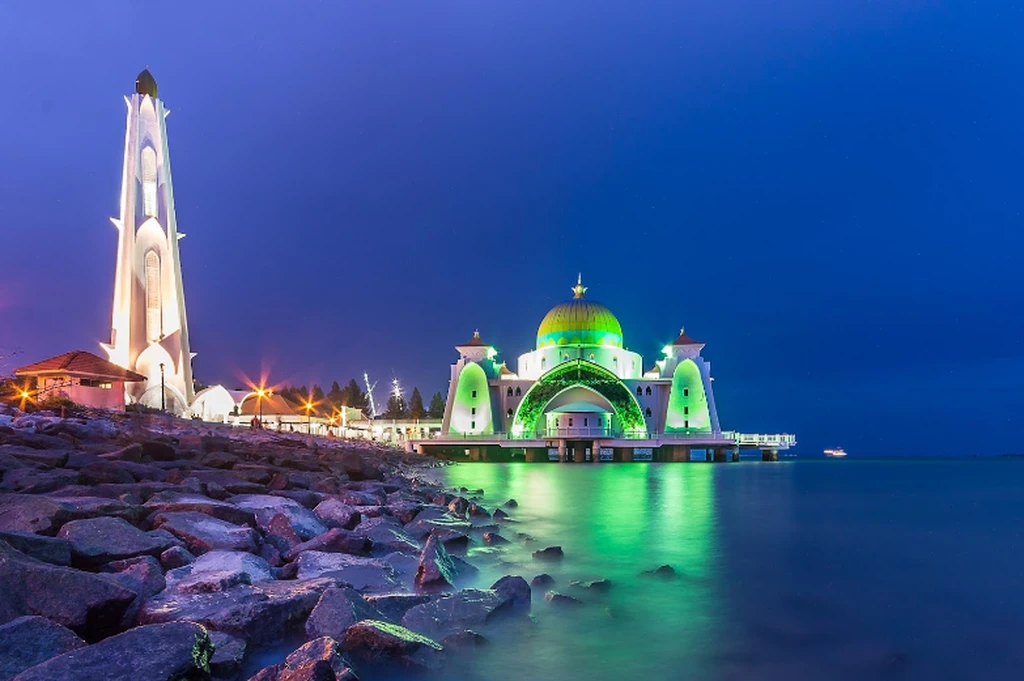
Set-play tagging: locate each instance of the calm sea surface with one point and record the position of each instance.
(794, 570)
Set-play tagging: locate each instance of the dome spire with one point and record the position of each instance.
(579, 289)
(145, 83)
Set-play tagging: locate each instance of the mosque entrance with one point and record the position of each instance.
(578, 452)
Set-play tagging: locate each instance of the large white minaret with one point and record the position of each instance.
(149, 332)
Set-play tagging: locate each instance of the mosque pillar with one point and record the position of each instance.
(595, 452)
(578, 451)
(735, 453)
(561, 451)
(769, 454)
(720, 455)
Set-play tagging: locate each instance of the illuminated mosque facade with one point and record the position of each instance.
(582, 396)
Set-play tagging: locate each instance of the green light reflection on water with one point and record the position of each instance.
(613, 521)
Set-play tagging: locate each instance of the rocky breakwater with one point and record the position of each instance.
(146, 548)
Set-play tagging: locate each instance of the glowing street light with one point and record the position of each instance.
(309, 416)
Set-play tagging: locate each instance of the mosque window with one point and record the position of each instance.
(648, 390)
(509, 391)
(472, 425)
(508, 413)
(591, 357)
(154, 305)
(570, 422)
(585, 420)
(648, 412)
(686, 424)
(518, 391)
(473, 411)
(639, 391)
(686, 392)
(686, 410)
(565, 356)
(474, 393)
(149, 181)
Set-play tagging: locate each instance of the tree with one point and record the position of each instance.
(335, 396)
(436, 409)
(318, 393)
(416, 410)
(352, 395)
(396, 408)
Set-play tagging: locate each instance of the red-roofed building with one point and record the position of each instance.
(81, 377)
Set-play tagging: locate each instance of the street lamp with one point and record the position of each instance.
(163, 393)
(309, 417)
(260, 394)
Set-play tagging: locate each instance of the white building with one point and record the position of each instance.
(149, 329)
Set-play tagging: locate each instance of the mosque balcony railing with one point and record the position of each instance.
(782, 441)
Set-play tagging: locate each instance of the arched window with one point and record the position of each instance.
(566, 355)
(154, 304)
(518, 392)
(509, 391)
(591, 357)
(508, 413)
(149, 203)
(543, 361)
(648, 412)
(639, 391)
(648, 390)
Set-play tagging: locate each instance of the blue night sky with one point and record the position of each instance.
(827, 193)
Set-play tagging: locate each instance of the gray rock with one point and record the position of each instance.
(319, 660)
(387, 536)
(542, 580)
(91, 605)
(31, 640)
(561, 600)
(337, 610)
(264, 506)
(436, 568)
(405, 512)
(602, 585)
(337, 513)
(47, 549)
(105, 471)
(478, 511)
(176, 502)
(499, 514)
(141, 574)
(665, 572)
(46, 515)
(494, 539)
(375, 642)
(228, 655)
(219, 570)
(159, 652)
(459, 506)
(394, 606)
(335, 540)
(463, 640)
(95, 541)
(452, 612)
(515, 589)
(364, 574)
(260, 613)
(511, 503)
(176, 557)
(550, 553)
(202, 533)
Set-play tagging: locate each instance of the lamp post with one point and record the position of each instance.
(309, 417)
(163, 393)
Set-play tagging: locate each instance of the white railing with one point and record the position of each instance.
(760, 439)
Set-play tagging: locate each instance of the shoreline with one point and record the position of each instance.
(210, 547)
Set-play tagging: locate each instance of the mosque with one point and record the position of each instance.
(582, 396)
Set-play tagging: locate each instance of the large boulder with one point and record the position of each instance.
(319, 660)
(91, 605)
(336, 513)
(228, 655)
(337, 610)
(375, 642)
(265, 506)
(394, 606)
(47, 549)
(452, 612)
(95, 541)
(335, 540)
(359, 468)
(141, 574)
(31, 640)
(202, 533)
(436, 568)
(170, 502)
(550, 553)
(260, 613)
(515, 589)
(46, 515)
(219, 570)
(105, 471)
(365, 574)
(161, 652)
(387, 535)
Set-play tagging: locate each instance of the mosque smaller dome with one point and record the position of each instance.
(145, 84)
(579, 322)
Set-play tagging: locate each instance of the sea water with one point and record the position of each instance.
(792, 570)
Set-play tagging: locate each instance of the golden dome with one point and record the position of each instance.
(579, 322)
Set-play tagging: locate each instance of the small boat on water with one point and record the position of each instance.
(837, 453)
